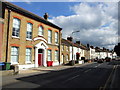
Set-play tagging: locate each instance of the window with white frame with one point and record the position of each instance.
(28, 55)
(40, 31)
(14, 55)
(16, 27)
(49, 36)
(62, 57)
(62, 47)
(67, 57)
(56, 37)
(56, 55)
(29, 30)
(67, 48)
(49, 55)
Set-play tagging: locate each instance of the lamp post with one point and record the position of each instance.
(72, 46)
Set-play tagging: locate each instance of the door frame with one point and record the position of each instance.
(41, 45)
(41, 58)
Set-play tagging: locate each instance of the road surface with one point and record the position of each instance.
(99, 76)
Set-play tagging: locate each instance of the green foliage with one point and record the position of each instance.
(117, 49)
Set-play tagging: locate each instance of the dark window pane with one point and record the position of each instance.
(40, 51)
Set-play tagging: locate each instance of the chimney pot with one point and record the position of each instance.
(78, 42)
(46, 16)
(70, 38)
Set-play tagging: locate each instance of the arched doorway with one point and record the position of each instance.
(40, 57)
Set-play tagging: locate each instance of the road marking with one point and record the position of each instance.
(71, 78)
(87, 70)
(109, 78)
(113, 78)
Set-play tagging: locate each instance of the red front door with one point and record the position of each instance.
(40, 58)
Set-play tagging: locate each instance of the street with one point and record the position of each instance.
(100, 76)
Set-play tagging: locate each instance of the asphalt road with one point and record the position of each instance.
(99, 76)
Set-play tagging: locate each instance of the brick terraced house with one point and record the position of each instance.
(29, 40)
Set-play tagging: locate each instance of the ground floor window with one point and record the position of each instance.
(14, 55)
(56, 55)
(49, 55)
(28, 55)
(67, 58)
(62, 57)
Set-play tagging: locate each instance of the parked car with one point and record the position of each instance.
(100, 60)
(95, 60)
(107, 59)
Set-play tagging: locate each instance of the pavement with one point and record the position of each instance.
(33, 71)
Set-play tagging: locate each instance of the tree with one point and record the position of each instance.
(117, 49)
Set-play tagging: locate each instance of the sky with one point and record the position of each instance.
(97, 22)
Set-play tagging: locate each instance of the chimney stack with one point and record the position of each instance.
(46, 16)
(88, 45)
(70, 39)
(78, 42)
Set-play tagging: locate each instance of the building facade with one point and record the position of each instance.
(65, 50)
(29, 40)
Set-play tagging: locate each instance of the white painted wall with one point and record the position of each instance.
(92, 53)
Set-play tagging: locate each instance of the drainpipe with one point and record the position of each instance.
(7, 35)
(59, 45)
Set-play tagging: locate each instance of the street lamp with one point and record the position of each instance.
(72, 44)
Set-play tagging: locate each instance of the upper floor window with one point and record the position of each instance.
(49, 36)
(29, 30)
(67, 48)
(40, 31)
(16, 27)
(14, 55)
(56, 37)
(62, 47)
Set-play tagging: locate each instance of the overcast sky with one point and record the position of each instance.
(96, 21)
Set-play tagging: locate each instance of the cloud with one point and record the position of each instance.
(97, 22)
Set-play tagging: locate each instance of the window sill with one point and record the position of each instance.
(13, 63)
(40, 35)
(49, 43)
(28, 62)
(28, 39)
(15, 37)
(57, 44)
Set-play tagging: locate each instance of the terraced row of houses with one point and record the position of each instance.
(28, 40)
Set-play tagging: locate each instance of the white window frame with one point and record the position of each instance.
(29, 31)
(49, 55)
(67, 48)
(14, 53)
(56, 38)
(62, 57)
(40, 31)
(28, 54)
(62, 47)
(67, 57)
(56, 55)
(16, 28)
(50, 36)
